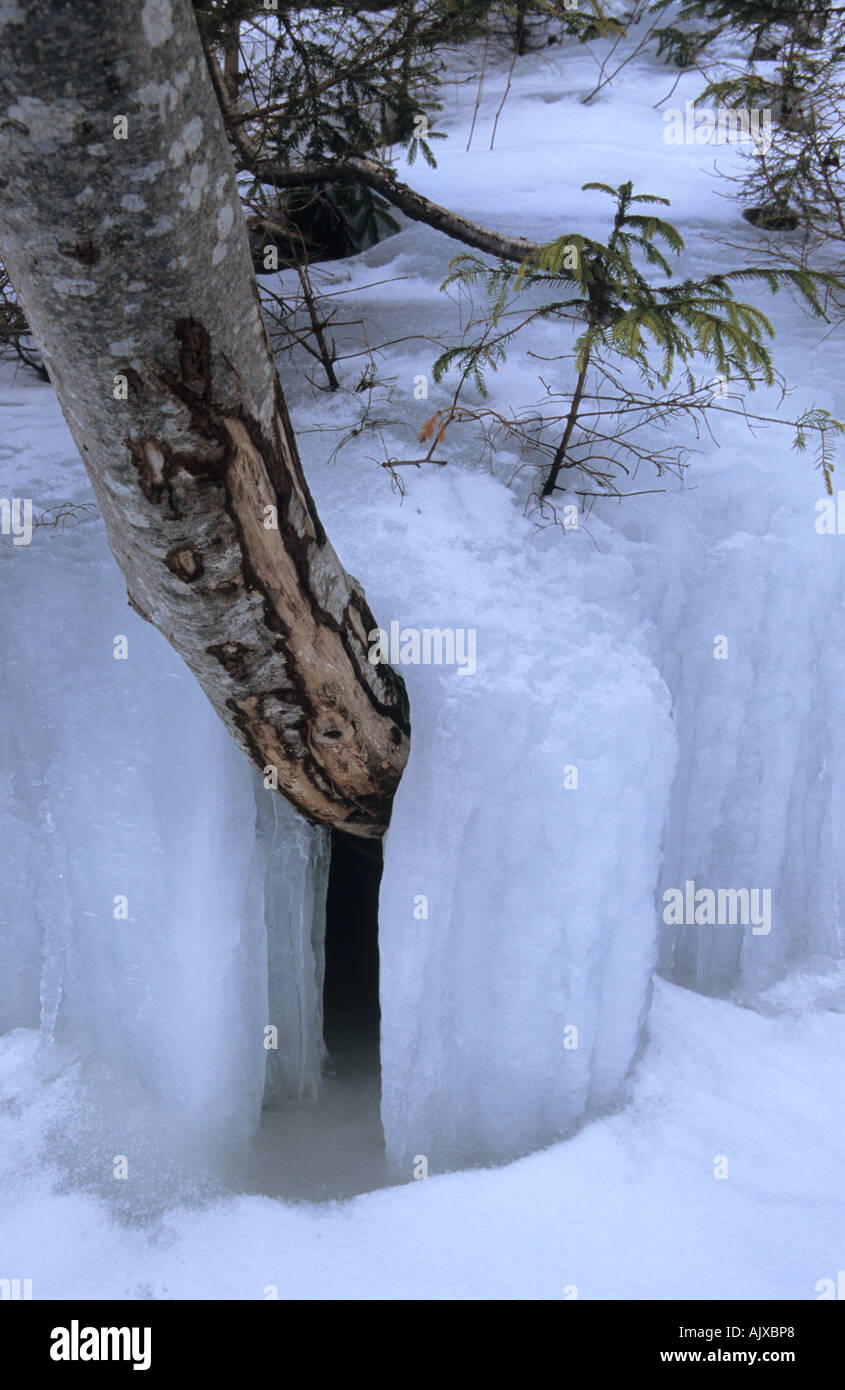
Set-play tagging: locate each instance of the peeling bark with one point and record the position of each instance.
(130, 256)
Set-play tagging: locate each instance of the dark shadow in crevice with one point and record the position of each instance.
(334, 1147)
(351, 1013)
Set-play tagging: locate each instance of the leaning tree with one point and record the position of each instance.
(122, 156)
(122, 232)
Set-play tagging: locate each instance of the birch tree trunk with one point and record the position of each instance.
(122, 232)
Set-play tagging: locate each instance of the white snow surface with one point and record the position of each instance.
(145, 1037)
(628, 1208)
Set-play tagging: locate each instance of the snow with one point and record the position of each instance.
(516, 907)
(732, 551)
(629, 1208)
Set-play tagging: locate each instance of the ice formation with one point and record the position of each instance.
(164, 908)
(748, 603)
(517, 923)
(143, 855)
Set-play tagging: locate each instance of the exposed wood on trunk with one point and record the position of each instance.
(130, 256)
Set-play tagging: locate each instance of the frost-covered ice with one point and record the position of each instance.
(759, 799)
(513, 995)
(137, 874)
(133, 878)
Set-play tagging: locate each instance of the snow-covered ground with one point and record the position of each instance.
(628, 1208)
(712, 1170)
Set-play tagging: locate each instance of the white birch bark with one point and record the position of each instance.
(122, 232)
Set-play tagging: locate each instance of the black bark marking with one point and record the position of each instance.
(194, 357)
(232, 657)
(84, 251)
(184, 562)
(156, 463)
(133, 379)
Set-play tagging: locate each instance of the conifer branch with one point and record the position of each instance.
(368, 173)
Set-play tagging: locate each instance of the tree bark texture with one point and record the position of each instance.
(122, 231)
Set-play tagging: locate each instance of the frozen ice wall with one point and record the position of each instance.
(520, 920)
(150, 878)
(517, 922)
(511, 1006)
(514, 1006)
(296, 879)
(748, 604)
